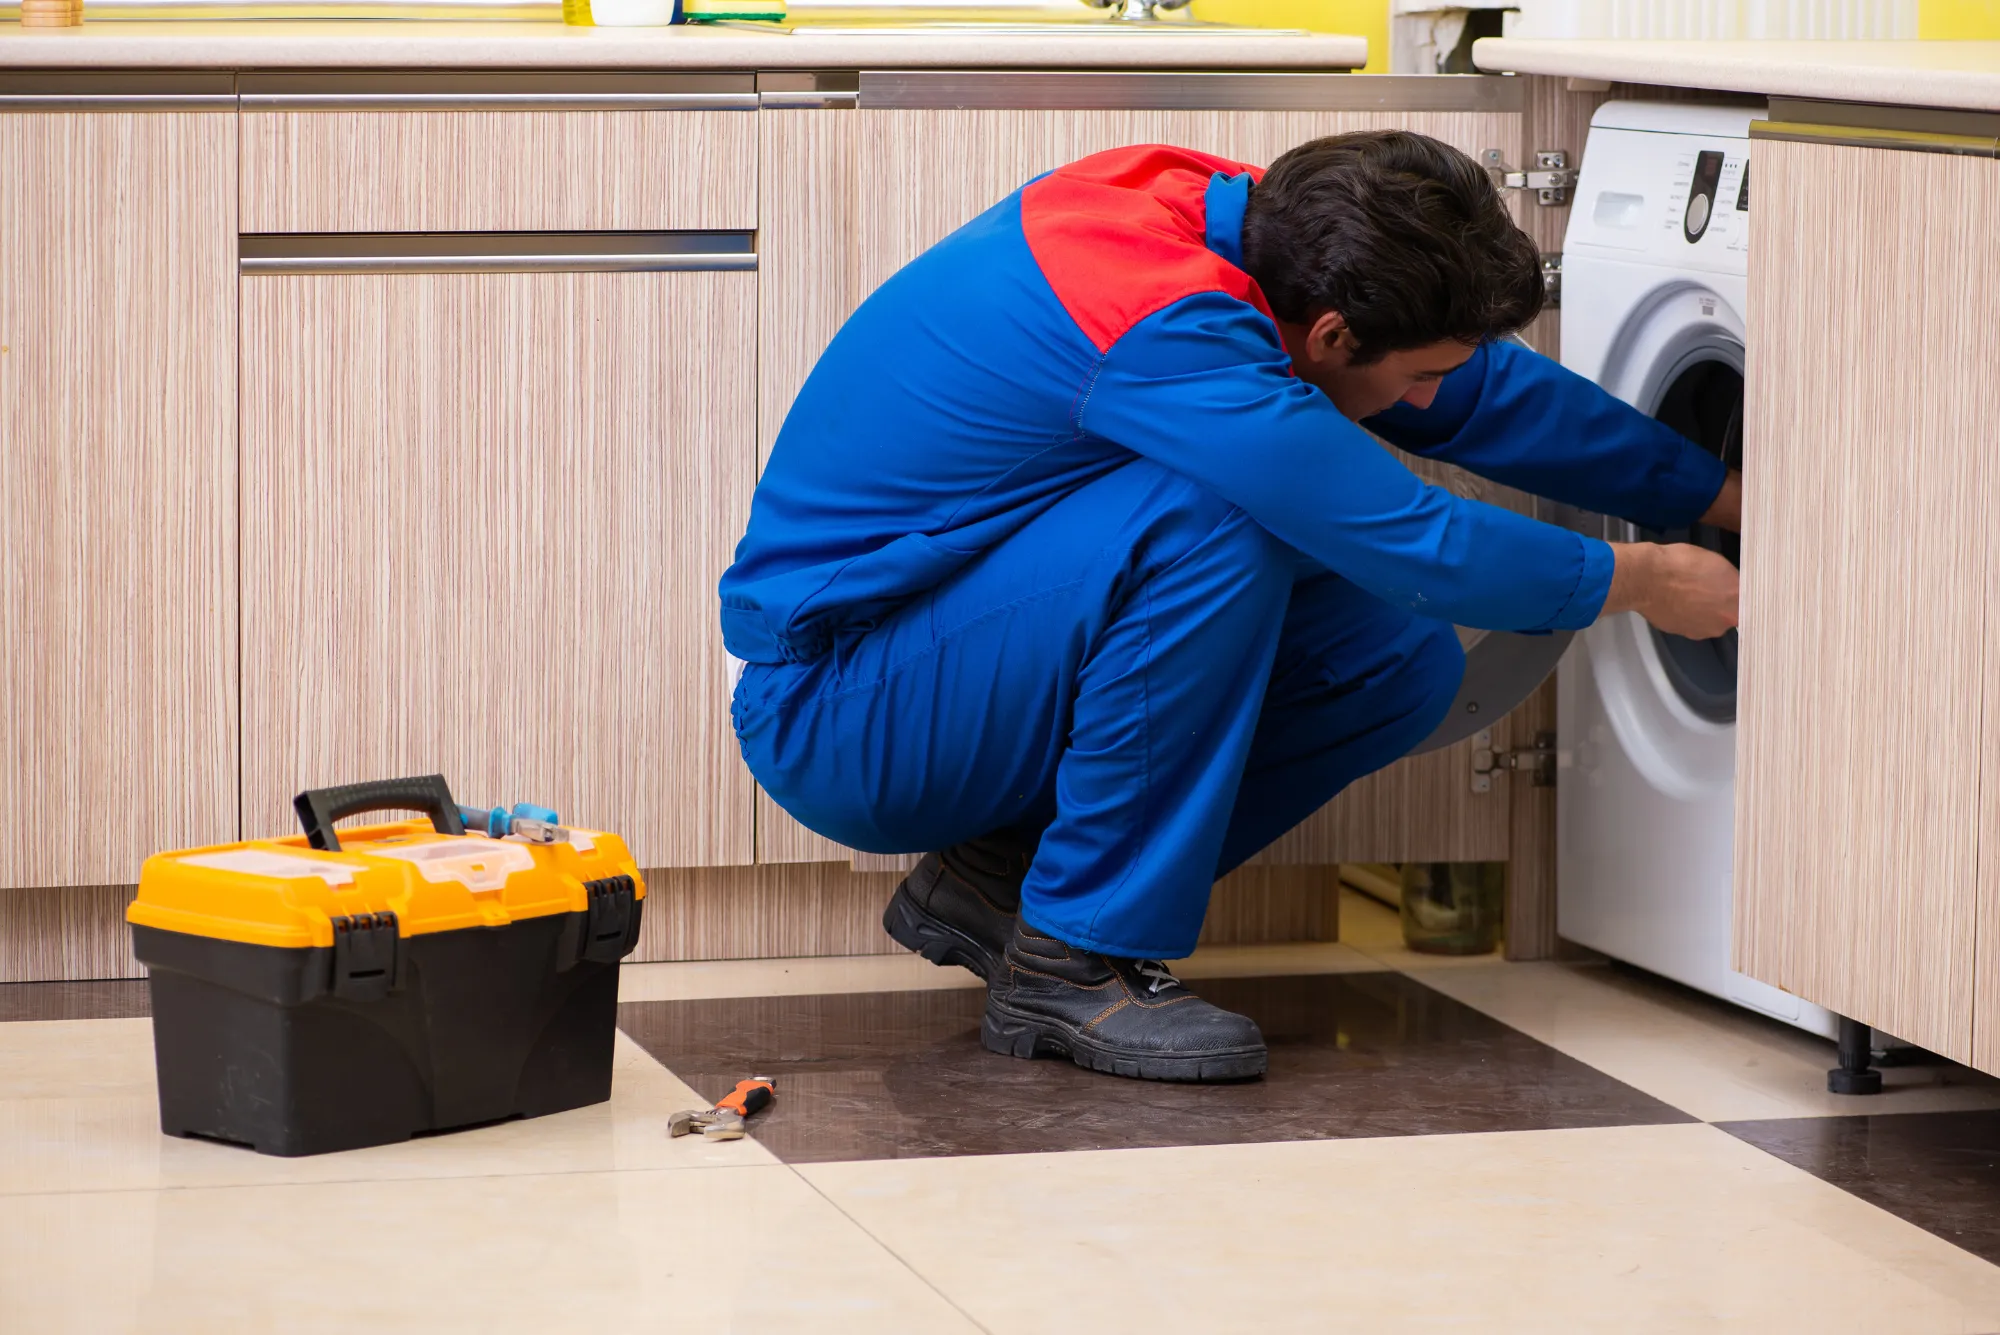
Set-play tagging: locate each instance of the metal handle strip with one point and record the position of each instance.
(117, 102)
(1854, 136)
(499, 252)
(1183, 90)
(409, 264)
(116, 90)
(571, 101)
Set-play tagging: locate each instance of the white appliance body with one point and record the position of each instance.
(1654, 287)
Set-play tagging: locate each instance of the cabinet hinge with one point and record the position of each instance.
(1550, 178)
(1537, 761)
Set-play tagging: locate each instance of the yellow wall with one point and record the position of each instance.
(1958, 18)
(1362, 18)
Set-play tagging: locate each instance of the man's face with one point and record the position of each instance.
(1323, 357)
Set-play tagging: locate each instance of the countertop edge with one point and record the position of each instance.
(1917, 74)
(552, 46)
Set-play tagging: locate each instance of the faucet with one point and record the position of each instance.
(1137, 11)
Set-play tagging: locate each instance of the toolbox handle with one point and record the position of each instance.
(319, 808)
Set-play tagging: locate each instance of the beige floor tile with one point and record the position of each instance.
(911, 973)
(1708, 1058)
(594, 1253)
(79, 1112)
(1627, 1229)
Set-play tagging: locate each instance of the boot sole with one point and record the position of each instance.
(1012, 1034)
(910, 926)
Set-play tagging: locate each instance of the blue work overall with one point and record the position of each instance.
(1053, 540)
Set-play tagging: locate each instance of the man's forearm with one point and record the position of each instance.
(1726, 511)
(1681, 588)
(1631, 577)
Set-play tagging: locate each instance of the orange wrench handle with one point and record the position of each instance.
(749, 1096)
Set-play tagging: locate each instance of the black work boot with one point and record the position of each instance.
(1119, 1016)
(958, 906)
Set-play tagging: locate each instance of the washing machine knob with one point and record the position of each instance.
(1697, 216)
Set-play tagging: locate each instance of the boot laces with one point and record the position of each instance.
(1162, 977)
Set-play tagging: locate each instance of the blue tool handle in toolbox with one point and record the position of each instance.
(319, 808)
(500, 822)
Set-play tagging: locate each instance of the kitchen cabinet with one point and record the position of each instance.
(809, 265)
(486, 510)
(851, 195)
(457, 152)
(117, 483)
(339, 442)
(1868, 735)
(484, 515)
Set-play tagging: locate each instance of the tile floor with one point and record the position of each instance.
(1440, 1145)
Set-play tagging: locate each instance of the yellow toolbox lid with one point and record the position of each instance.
(286, 892)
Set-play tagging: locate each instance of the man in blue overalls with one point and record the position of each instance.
(1074, 565)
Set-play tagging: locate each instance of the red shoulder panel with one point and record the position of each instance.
(1122, 234)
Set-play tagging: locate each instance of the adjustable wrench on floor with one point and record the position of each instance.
(726, 1120)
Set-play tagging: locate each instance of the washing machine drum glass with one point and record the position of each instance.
(1705, 404)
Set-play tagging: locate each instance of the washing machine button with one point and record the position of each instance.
(1697, 217)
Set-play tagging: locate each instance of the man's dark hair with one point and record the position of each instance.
(1404, 236)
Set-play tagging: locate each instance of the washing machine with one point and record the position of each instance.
(1654, 283)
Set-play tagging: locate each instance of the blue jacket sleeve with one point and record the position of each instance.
(1513, 415)
(1205, 388)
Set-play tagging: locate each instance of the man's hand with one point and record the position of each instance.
(1681, 588)
(1726, 511)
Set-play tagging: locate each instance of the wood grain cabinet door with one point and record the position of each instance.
(483, 520)
(884, 185)
(1868, 730)
(513, 150)
(117, 489)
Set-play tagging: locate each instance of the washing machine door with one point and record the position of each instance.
(1703, 400)
(1672, 700)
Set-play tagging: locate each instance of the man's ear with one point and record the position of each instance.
(1328, 341)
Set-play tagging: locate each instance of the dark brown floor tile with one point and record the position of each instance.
(1940, 1171)
(109, 1000)
(889, 1075)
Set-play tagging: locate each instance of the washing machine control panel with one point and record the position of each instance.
(1667, 185)
(1699, 194)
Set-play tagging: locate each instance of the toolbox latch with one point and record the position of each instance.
(364, 956)
(609, 921)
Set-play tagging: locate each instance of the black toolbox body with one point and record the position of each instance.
(382, 1036)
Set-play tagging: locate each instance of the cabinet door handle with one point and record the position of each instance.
(499, 252)
(116, 90)
(1858, 125)
(1856, 136)
(117, 102)
(497, 90)
(577, 101)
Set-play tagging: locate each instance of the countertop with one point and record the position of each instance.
(1964, 75)
(406, 45)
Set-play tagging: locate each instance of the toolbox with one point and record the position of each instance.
(338, 989)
